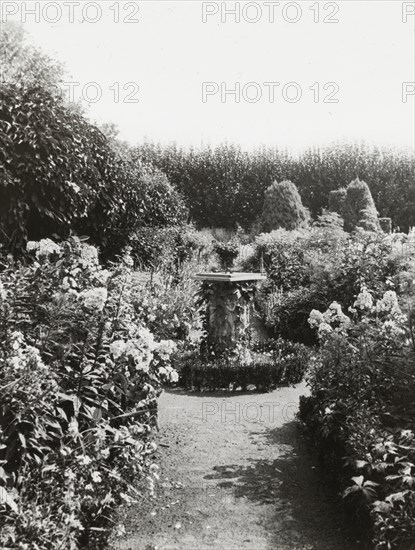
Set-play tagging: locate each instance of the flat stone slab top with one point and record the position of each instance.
(230, 277)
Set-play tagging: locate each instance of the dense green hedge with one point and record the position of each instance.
(225, 185)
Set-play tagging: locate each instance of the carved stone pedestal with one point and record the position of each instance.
(229, 306)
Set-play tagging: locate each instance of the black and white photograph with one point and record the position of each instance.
(207, 275)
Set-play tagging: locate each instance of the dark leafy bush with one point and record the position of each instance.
(61, 174)
(283, 255)
(54, 165)
(147, 209)
(285, 314)
(366, 258)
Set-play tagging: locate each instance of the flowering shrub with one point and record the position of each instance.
(332, 319)
(79, 379)
(284, 254)
(361, 412)
(311, 270)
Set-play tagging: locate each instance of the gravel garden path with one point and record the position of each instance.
(235, 474)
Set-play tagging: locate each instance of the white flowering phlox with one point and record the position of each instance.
(332, 319)
(141, 348)
(147, 338)
(96, 477)
(28, 367)
(129, 321)
(17, 339)
(43, 248)
(70, 474)
(95, 298)
(102, 276)
(117, 348)
(323, 330)
(408, 434)
(73, 428)
(315, 318)
(246, 357)
(3, 294)
(169, 374)
(89, 254)
(388, 304)
(23, 355)
(69, 286)
(364, 300)
(391, 329)
(141, 355)
(119, 530)
(165, 348)
(84, 460)
(335, 316)
(356, 246)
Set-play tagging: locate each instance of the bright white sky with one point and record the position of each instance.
(369, 53)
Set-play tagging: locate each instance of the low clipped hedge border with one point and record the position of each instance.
(266, 372)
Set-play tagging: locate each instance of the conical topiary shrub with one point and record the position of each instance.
(360, 209)
(283, 207)
(356, 206)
